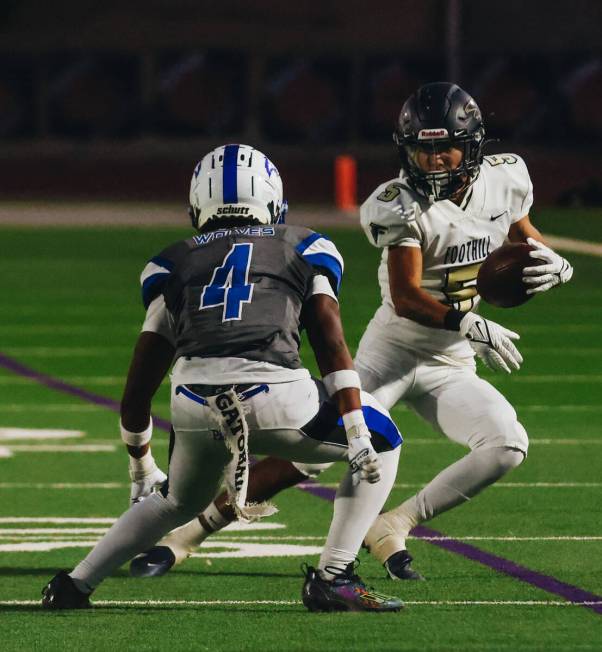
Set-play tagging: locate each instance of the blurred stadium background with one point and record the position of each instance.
(105, 107)
(117, 100)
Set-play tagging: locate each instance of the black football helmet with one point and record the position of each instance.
(436, 117)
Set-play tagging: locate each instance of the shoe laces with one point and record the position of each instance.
(348, 574)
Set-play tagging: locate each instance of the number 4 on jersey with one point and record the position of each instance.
(230, 285)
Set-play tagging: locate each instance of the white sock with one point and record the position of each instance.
(136, 530)
(141, 467)
(183, 541)
(355, 508)
(455, 485)
(215, 518)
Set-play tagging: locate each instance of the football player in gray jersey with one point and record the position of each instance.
(230, 303)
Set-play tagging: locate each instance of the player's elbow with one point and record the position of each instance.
(403, 307)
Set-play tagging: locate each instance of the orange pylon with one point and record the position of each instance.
(345, 182)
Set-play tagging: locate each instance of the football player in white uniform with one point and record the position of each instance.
(436, 223)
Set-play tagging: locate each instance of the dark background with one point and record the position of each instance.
(118, 99)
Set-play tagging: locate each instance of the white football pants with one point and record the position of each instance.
(275, 418)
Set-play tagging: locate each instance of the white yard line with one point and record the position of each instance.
(218, 603)
(50, 407)
(63, 351)
(331, 485)
(93, 520)
(501, 485)
(62, 448)
(46, 546)
(109, 520)
(42, 531)
(64, 485)
(13, 434)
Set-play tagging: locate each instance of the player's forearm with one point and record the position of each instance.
(419, 306)
(333, 357)
(327, 339)
(150, 362)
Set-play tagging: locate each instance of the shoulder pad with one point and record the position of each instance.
(321, 253)
(511, 169)
(159, 267)
(389, 215)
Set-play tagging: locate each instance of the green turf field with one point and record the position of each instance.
(71, 309)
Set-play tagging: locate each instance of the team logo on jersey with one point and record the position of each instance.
(430, 134)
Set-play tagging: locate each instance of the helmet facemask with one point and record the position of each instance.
(437, 117)
(441, 184)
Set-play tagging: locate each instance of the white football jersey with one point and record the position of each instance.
(454, 241)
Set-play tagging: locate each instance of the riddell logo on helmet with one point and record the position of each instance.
(428, 134)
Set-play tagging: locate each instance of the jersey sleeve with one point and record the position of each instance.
(522, 195)
(157, 320)
(321, 253)
(321, 285)
(156, 272)
(389, 216)
(509, 171)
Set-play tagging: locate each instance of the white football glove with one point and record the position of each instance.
(557, 270)
(363, 460)
(491, 342)
(146, 477)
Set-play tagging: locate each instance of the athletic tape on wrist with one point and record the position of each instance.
(353, 419)
(136, 438)
(342, 379)
(142, 467)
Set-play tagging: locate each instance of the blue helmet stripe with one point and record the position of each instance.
(229, 181)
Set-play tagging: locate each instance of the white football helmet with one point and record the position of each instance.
(236, 180)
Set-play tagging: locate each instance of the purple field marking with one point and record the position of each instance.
(61, 386)
(501, 565)
(545, 582)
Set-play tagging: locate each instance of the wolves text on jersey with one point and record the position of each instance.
(205, 238)
(468, 252)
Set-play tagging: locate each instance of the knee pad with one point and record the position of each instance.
(312, 470)
(508, 458)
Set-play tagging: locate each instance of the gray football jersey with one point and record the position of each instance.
(239, 292)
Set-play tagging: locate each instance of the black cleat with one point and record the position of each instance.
(61, 593)
(346, 592)
(153, 563)
(398, 567)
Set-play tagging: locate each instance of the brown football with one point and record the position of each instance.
(500, 279)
